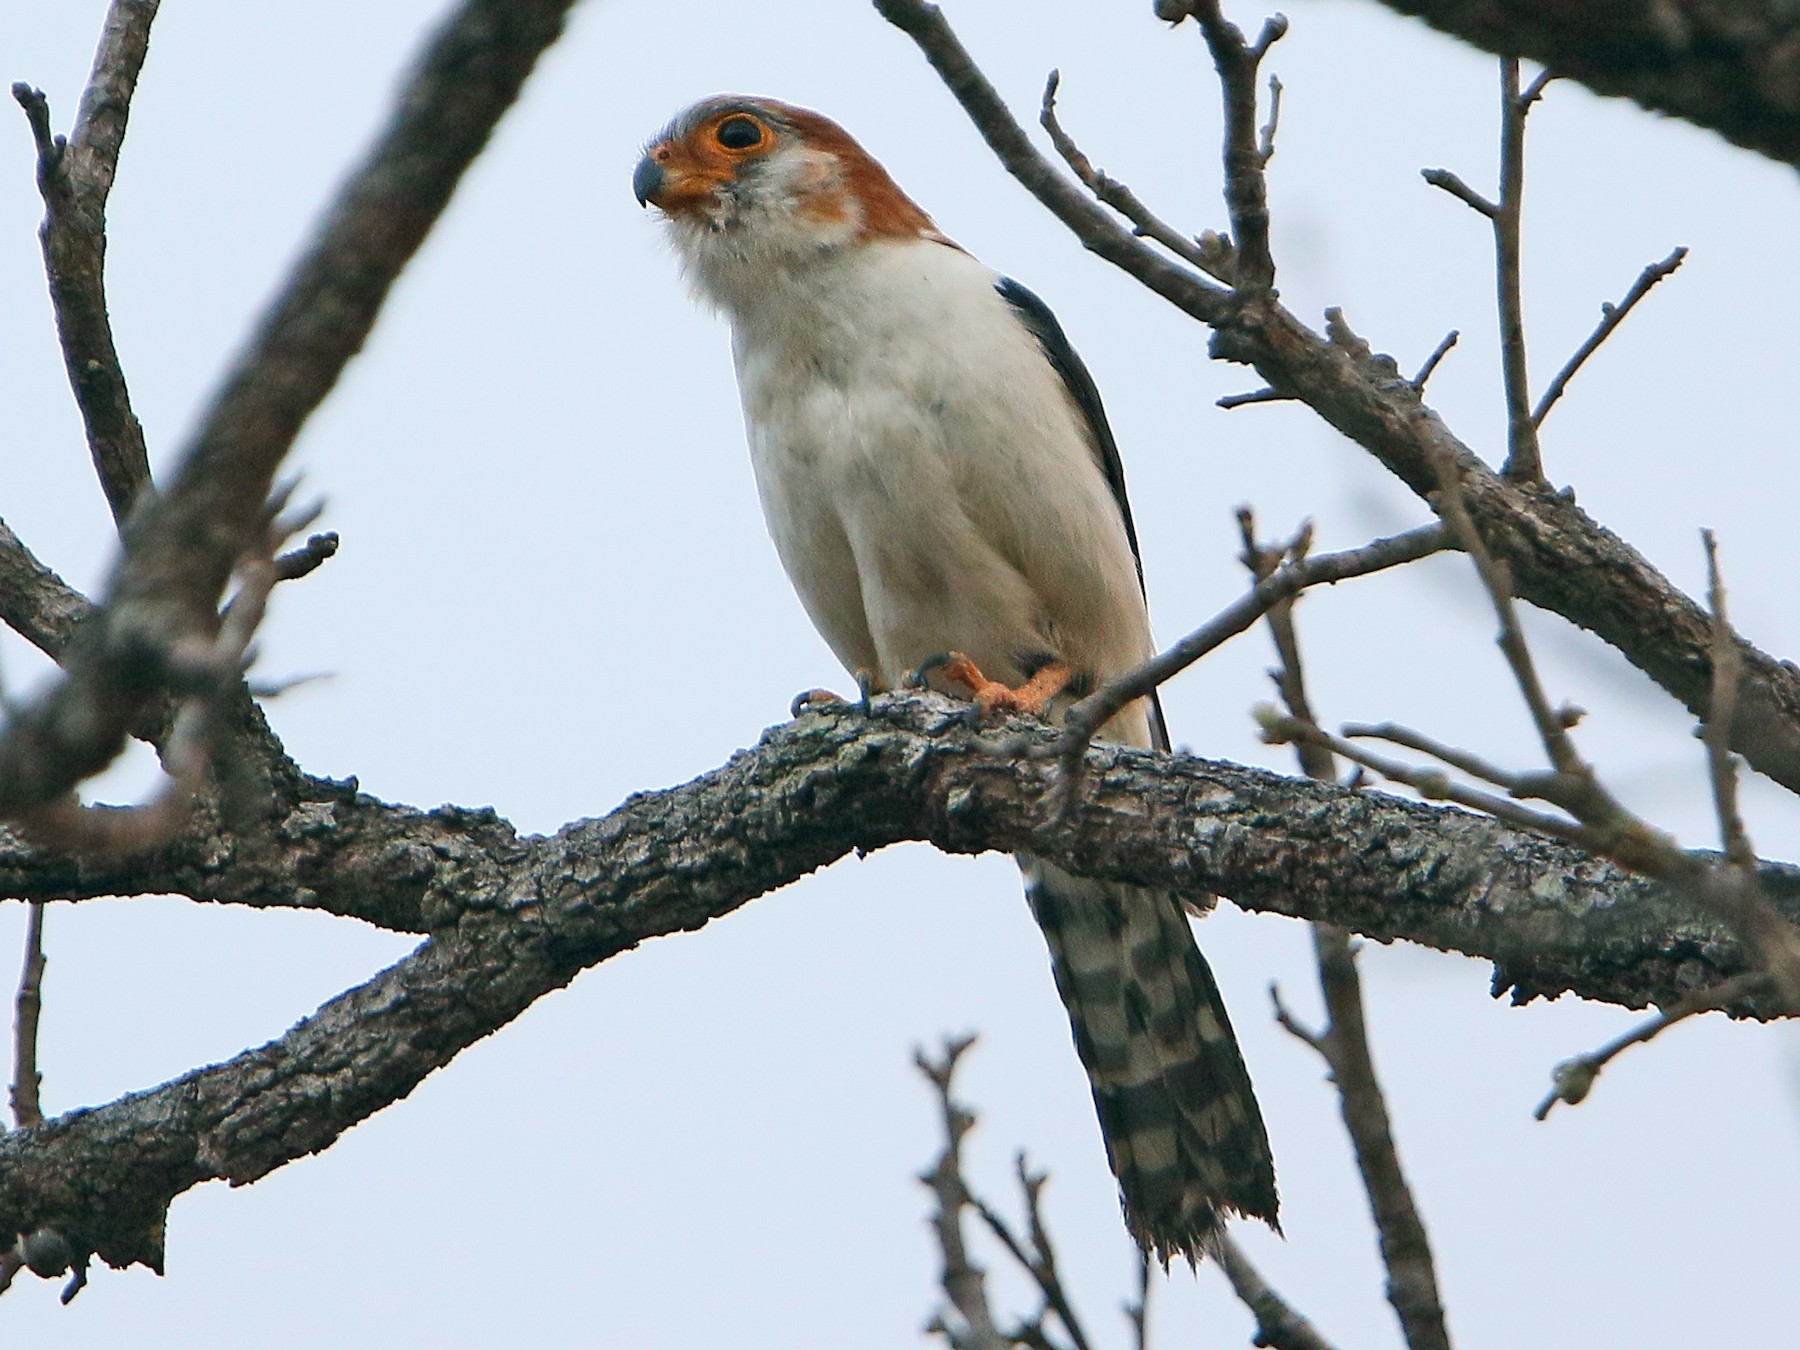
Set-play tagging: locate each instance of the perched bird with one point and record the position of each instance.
(939, 478)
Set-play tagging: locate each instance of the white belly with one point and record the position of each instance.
(927, 480)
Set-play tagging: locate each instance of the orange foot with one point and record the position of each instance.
(992, 696)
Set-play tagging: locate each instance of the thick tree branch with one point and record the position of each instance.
(181, 549)
(1732, 66)
(1561, 559)
(35, 603)
(514, 919)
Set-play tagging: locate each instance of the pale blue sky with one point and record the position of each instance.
(538, 472)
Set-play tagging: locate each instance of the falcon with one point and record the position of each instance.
(943, 489)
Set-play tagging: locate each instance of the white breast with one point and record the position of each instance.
(927, 479)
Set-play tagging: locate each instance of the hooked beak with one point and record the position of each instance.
(647, 180)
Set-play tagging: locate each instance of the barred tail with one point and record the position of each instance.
(1180, 1120)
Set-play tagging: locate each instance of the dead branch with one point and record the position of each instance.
(35, 603)
(1215, 261)
(1277, 1324)
(1431, 362)
(1573, 1079)
(515, 918)
(1727, 673)
(1725, 65)
(27, 1080)
(1523, 460)
(1412, 1286)
(1035, 1253)
(1094, 711)
(1611, 316)
(75, 178)
(1561, 560)
(180, 550)
(964, 1282)
(1246, 191)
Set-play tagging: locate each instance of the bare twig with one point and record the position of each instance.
(1716, 730)
(1246, 192)
(1094, 711)
(1230, 401)
(925, 24)
(75, 178)
(27, 1080)
(1138, 1310)
(306, 559)
(1412, 1286)
(965, 1283)
(1035, 1254)
(1457, 758)
(1732, 892)
(1277, 1324)
(1552, 723)
(1290, 676)
(1523, 459)
(1611, 316)
(1434, 784)
(1574, 1078)
(1214, 261)
(1523, 462)
(1431, 362)
(1265, 144)
(1449, 182)
(181, 549)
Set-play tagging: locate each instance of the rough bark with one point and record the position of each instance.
(1731, 66)
(511, 918)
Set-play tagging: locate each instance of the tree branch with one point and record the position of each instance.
(1562, 560)
(75, 178)
(1731, 66)
(1278, 1325)
(27, 1110)
(181, 549)
(1611, 316)
(1412, 1286)
(514, 919)
(35, 603)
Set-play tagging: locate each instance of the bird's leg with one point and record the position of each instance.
(991, 696)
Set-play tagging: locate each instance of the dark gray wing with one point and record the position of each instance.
(1051, 340)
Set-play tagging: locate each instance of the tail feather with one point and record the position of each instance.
(1182, 1129)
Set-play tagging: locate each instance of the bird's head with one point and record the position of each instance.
(754, 180)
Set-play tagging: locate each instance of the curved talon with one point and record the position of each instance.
(809, 699)
(868, 684)
(920, 676)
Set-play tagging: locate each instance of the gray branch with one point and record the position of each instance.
(181, 547)
(1562, 559)
(512, 919)
(1731, 66)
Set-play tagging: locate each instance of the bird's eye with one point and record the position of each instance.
(738, 133)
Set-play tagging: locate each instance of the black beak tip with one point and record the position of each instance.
(646, 180)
